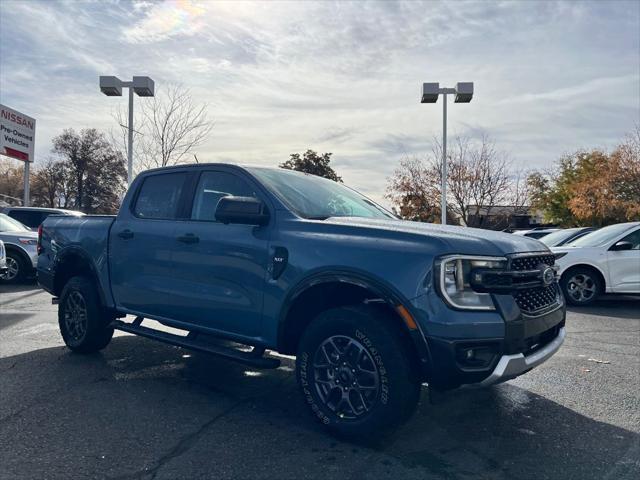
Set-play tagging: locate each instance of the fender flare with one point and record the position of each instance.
(77, 251)
(387, 293)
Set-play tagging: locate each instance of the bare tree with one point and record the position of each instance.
(169, 127)
(50, 185)
(478, 178)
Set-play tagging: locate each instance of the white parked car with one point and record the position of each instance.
(607, 260)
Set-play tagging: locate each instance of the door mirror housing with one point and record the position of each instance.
(242, 210)
(622, 245)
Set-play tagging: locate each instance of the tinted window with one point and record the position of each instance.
(212, 187)
(29, 218)
(159, 196)
(633, 239)
(536, 235)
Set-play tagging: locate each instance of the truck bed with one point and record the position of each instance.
(87, 235)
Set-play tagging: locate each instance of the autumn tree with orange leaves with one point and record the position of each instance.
(591, 187)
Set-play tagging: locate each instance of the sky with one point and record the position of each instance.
(343, 77)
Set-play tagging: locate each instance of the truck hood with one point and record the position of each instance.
(454, 239)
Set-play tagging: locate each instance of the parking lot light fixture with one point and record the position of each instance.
(463, 92)
(143, 87)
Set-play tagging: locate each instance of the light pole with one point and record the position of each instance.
(143, 87)
(430, 92)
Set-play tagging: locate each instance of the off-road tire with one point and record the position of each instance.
(88, 332)
(379, 341)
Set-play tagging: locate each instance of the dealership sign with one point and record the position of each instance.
(17, 134)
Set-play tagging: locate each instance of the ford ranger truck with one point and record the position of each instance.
(372, 307)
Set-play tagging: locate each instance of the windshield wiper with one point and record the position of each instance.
(318, 217)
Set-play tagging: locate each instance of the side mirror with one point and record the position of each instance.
(242, 210)
(622, 245)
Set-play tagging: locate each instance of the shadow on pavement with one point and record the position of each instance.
(617, 306)
(27, 286)
(142, 409)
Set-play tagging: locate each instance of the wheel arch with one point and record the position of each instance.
(73, 262)
(331, 289)
(11, 247)
(602, 277)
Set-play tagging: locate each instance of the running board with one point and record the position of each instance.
(253, 358)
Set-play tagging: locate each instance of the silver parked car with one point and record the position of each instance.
(20, 244)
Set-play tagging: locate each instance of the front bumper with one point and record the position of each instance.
(511, 366)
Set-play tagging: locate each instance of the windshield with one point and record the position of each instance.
(8, 224)
(316, 197)
(601, 237)
(556, 238)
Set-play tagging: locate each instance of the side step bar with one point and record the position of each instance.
(253, 358)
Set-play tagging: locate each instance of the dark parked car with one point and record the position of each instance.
(372, 306)
(565, 236)
(32, 217)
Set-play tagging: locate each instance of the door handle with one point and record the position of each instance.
(125, 234)
(188, 238)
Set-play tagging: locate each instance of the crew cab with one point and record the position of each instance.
(372, 306)
(604, 261)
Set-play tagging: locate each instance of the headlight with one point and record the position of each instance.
(27, 241)
(454, 282)
(560, 254)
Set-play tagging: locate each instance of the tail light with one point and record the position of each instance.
(39, 245)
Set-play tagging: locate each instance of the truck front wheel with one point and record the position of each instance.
(84, 323)
(355, 372)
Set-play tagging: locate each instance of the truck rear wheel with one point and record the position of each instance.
(84, 323)
(355, 372)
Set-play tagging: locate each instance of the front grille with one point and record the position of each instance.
(532, 262)
(536, 299)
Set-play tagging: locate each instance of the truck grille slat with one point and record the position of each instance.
(537, 299)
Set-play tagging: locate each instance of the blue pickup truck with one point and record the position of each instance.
(249, 259)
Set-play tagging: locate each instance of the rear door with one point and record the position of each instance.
(624, 265)
(141, 244)
(220, 269)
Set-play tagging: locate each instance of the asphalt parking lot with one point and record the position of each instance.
(142, 410)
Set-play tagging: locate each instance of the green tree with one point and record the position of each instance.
(313, 163)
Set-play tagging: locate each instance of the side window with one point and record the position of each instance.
(159, 196)
(30, 219)
(634, 239)
(211, 188)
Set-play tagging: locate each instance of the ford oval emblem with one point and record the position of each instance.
(548, 276)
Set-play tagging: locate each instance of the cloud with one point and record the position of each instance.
(165, 20)
(344, 77)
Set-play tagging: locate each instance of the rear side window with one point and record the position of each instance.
(159, 196)
(212, 187)
(30, 218)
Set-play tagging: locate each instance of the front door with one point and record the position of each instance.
(141, 243)
(624, 265)
(220, 269)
